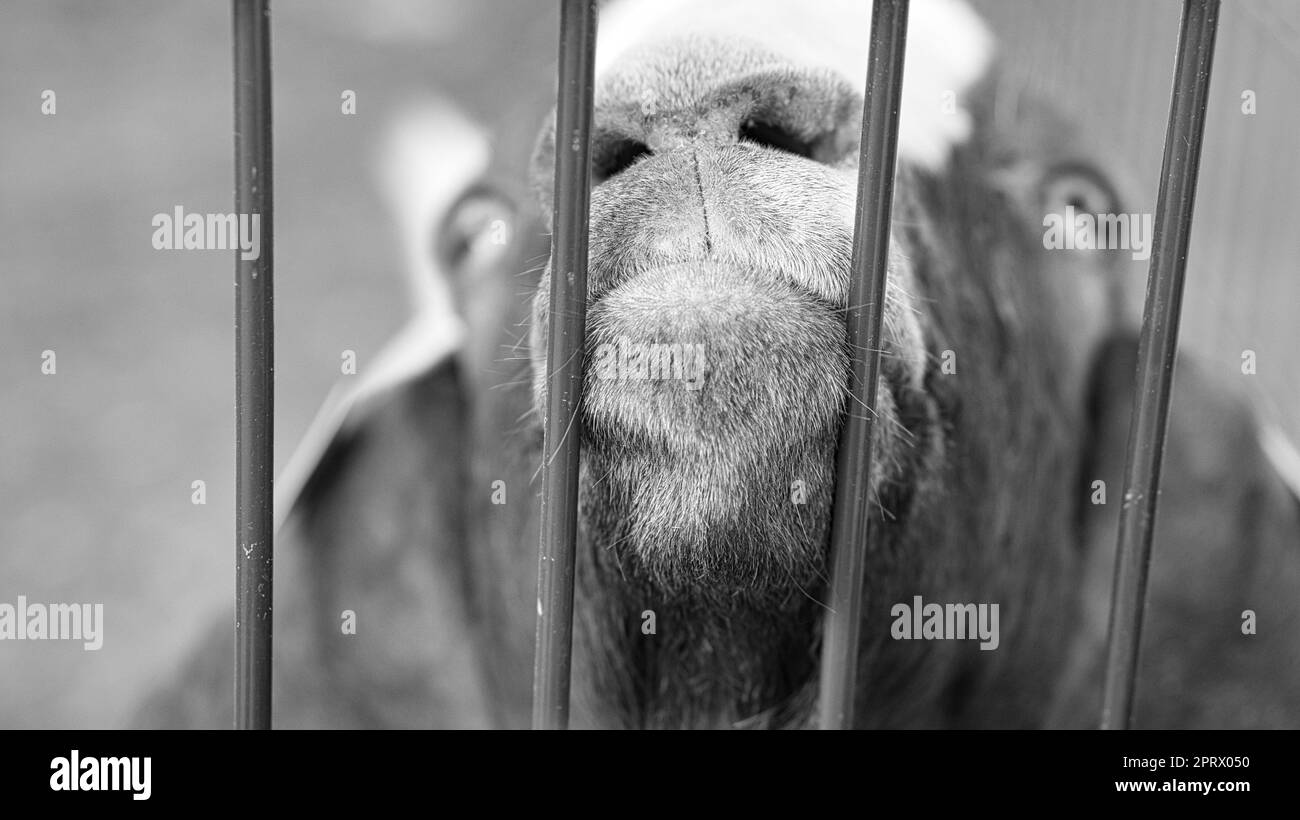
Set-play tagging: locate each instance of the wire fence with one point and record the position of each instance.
(567, 325)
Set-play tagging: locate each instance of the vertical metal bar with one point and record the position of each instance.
(568, 327)
(866, 299)
(254, 368)
(1157, 347)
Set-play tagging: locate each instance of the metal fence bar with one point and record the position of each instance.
(866, 299)
(254, 368)
(1156, 353)
(568, 327)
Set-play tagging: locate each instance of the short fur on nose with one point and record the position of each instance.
(653, 215)
(740, 204)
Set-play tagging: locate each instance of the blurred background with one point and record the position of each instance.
(98, 460)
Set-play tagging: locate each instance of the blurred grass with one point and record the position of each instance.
(96, 462)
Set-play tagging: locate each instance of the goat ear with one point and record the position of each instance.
(372, 623)
(371, 505)
(372, 614)
(375, 502)
(431, 172)
(376, 553)
(1223, 603)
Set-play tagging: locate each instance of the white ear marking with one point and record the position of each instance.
(1282, 453)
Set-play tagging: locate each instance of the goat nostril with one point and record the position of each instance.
(616, 156)
(777, 137)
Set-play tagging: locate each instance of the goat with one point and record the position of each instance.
(724, 165)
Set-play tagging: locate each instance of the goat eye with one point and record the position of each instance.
(1079, 187)
(777, 137)
(474, 233)
(616, 156)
